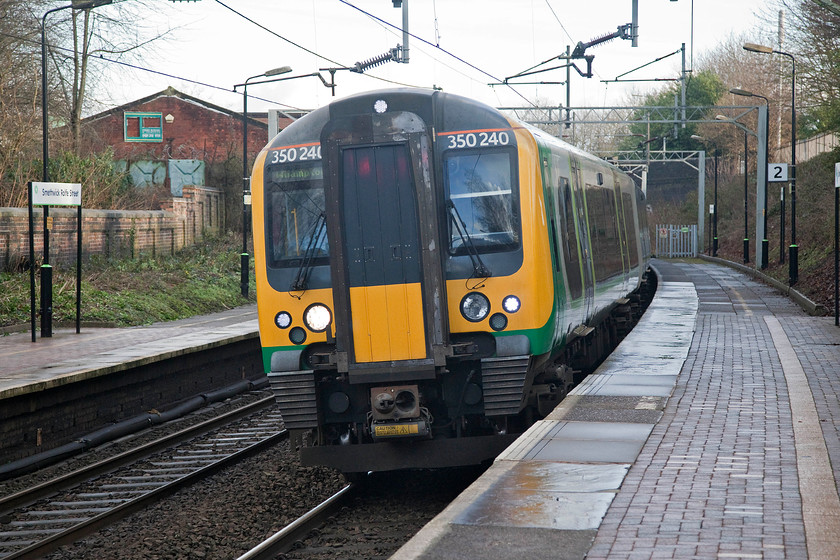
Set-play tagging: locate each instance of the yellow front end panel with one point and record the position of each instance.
(388, 323)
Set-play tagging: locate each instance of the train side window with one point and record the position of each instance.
(570, 239)
(481, 188)
(630, 223)
(294, 204)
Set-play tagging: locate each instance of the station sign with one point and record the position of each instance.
(56, 194)
(777, 172)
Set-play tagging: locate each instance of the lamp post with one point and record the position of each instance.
(746, 213)
(746, 193)
(246, 198)
(46, 269)
(793, 254)
(246, 190)
(764, 243)
(715, 218)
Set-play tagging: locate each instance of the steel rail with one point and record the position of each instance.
(283, 540)
(29, 495)
(95, 523)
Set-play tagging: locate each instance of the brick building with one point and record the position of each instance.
(170, 138)
(173, 138)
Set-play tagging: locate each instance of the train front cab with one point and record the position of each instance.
(437, 307)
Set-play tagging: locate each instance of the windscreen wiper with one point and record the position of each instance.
(305, 268)
(479, 269)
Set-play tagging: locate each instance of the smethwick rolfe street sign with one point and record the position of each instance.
(56, 194)
(46, 194)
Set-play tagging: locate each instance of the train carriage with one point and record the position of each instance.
(432, 276)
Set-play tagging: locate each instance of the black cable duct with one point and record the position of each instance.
(126, 427)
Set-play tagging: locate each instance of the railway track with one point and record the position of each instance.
(40, 519)
(371, 519)
(286, 538)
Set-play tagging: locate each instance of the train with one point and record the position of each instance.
(432, 276)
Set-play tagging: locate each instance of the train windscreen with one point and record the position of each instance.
(295, 214)
(480, 187)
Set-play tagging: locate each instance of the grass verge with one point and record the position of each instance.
(199, 279)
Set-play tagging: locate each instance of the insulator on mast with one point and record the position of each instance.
(360, 67)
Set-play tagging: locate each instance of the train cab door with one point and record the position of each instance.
(583, 238)
(382, 241)
(386, 266)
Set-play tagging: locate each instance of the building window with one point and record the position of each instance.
(143, 127)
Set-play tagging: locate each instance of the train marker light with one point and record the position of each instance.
(475, 307)
(283, 320)
(317, 317)
(511, 304)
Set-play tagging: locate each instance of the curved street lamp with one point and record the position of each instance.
(246, 187)
(246, 177)
(46, 270)
(793, 270)
(764, 243)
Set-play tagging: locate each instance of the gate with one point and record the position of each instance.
(674, 242)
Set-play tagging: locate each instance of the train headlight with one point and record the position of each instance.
(511, 304)
(283, 320)
(317, 317)
(475, 307)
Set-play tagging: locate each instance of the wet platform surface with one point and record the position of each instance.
(712, 432)
(67, 356)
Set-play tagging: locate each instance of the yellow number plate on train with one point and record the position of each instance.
(396, 430)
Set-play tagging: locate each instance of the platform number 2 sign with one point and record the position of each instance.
(777, 172)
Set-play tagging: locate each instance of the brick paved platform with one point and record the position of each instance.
(742, 462)
(67, 356)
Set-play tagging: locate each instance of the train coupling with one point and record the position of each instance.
(396, 413)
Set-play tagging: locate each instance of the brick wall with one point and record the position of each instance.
(113, 233)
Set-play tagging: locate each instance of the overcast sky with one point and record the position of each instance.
(216, 45)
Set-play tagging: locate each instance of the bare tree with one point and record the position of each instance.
(114, 32)
(19, 99)
(744, 70)
(812, 36)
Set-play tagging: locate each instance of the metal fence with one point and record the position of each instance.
(676, 241)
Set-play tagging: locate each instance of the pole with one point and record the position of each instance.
(46, 270)
(404, 56)
(837, 244)
(714, 225)
(568, 86)
(782, 226)
(746, 213)
(31, 263)
(244, 257)
(711, 218)
(762, 161)
(794, 248)
(79, 270)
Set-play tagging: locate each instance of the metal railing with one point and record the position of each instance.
(676, 241)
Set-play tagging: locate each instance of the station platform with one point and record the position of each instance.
(713, 431)
(68, 357)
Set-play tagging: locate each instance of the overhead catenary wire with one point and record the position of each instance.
(429, 43)
(149, 70)
(309, 51)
